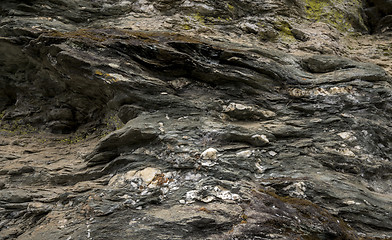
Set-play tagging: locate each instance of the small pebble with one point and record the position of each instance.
(210, 153)
(272, 153)
(244, 154)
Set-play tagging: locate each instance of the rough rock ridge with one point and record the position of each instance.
(193, 120)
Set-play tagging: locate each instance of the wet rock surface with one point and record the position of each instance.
(192, 120)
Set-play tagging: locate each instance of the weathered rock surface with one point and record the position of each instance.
(178, 120)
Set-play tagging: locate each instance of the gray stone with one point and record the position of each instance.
(128, 112)
(237, 125)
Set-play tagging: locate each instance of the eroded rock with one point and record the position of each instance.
(225, 136)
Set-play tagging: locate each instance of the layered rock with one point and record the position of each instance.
(216, 137)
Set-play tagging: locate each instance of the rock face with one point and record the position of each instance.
(191, 120)
(379, 15)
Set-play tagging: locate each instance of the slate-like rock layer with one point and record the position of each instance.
(300, 143)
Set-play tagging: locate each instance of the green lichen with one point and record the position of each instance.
(73, 139)
(314, 9)
(338, 19)
(218, 20)
(326, 11)
(112, 122)
(211, 20)
(230, 7)
(200, 18)
(16, 127)
(284, 30)
(186, 27)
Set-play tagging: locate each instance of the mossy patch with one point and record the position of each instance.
(218, 20)
(338, 19)
(73, 139)
(211, 20)
(284, 30)
(111, 123)
(16, 127)
(200, 18)
(230, 7)
(186, 27)
(326, 11)
(315, 9)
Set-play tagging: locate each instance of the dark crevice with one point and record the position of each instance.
(378, 16)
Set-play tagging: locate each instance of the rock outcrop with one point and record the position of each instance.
(192, 120)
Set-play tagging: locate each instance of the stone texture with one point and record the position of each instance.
(193, 120)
